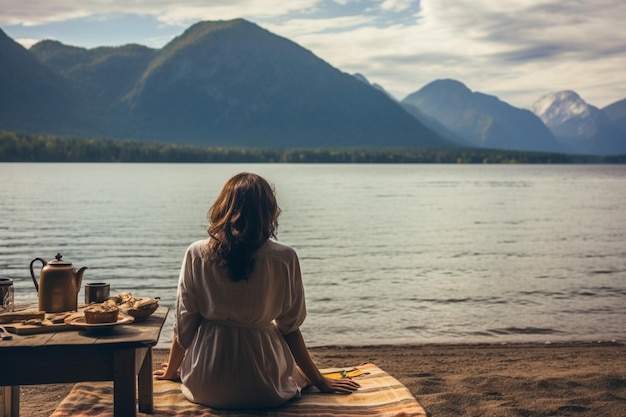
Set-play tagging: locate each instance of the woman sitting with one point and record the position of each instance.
(239, 306)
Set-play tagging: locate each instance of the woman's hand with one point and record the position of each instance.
(170, 368)
(338, 386)
(167, 372)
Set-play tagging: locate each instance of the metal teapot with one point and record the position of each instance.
(59, 284)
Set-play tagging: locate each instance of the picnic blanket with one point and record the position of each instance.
(380, 395)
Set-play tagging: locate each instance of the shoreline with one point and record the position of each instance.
(509, 379)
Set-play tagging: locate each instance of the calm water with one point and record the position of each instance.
(389, 253)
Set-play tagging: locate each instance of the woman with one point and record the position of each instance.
(239, 306)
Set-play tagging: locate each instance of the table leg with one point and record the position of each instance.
(10, 401)
(15, 401)
(5, 401)
(144, 383)
(124, 383)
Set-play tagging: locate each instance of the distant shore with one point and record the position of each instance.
(560, 379)
(21, 147)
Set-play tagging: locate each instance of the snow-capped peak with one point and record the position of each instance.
(557, 108)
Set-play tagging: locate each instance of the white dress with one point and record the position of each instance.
(235, 354)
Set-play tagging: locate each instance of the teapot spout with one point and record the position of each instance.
(79, 278)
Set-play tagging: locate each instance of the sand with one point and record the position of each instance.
(571, 379)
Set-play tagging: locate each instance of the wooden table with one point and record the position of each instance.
(123, 355)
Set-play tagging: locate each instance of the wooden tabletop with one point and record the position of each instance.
(138, 333)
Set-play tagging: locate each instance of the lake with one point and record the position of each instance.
(389, 253)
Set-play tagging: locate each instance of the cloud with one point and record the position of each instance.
(178, 13)
(396, 5)
(300, 28)
(32, 13)
(517, 49)
(522, 25)
(27, 42)
(37, 12)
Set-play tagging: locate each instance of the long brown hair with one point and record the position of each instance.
(243, 217)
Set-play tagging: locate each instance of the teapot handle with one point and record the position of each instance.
(32, 274)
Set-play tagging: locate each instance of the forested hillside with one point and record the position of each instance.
(16, 147)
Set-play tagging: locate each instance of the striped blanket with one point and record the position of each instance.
(380, 395)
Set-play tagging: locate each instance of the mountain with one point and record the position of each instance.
(376, 86)
(106, 72)
(423, 118)
(480, 119)
(434, 124)
(616, 113)
(233, 81)
(581, 126)
(227, 83)
(36, 98)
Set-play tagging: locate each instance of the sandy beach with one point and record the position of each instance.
(530, 380)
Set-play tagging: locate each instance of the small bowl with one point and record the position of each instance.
(142, 313)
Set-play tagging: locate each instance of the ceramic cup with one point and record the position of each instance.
(96, 292)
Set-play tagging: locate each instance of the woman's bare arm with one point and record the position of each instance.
(303, 359)
(170, 368)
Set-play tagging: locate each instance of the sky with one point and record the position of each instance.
(517, 50)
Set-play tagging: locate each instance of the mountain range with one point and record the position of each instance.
(226, 83)
(483, 120)
(233, 83)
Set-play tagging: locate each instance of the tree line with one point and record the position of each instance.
(21, 147)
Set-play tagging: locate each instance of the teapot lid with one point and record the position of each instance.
(59, 262)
